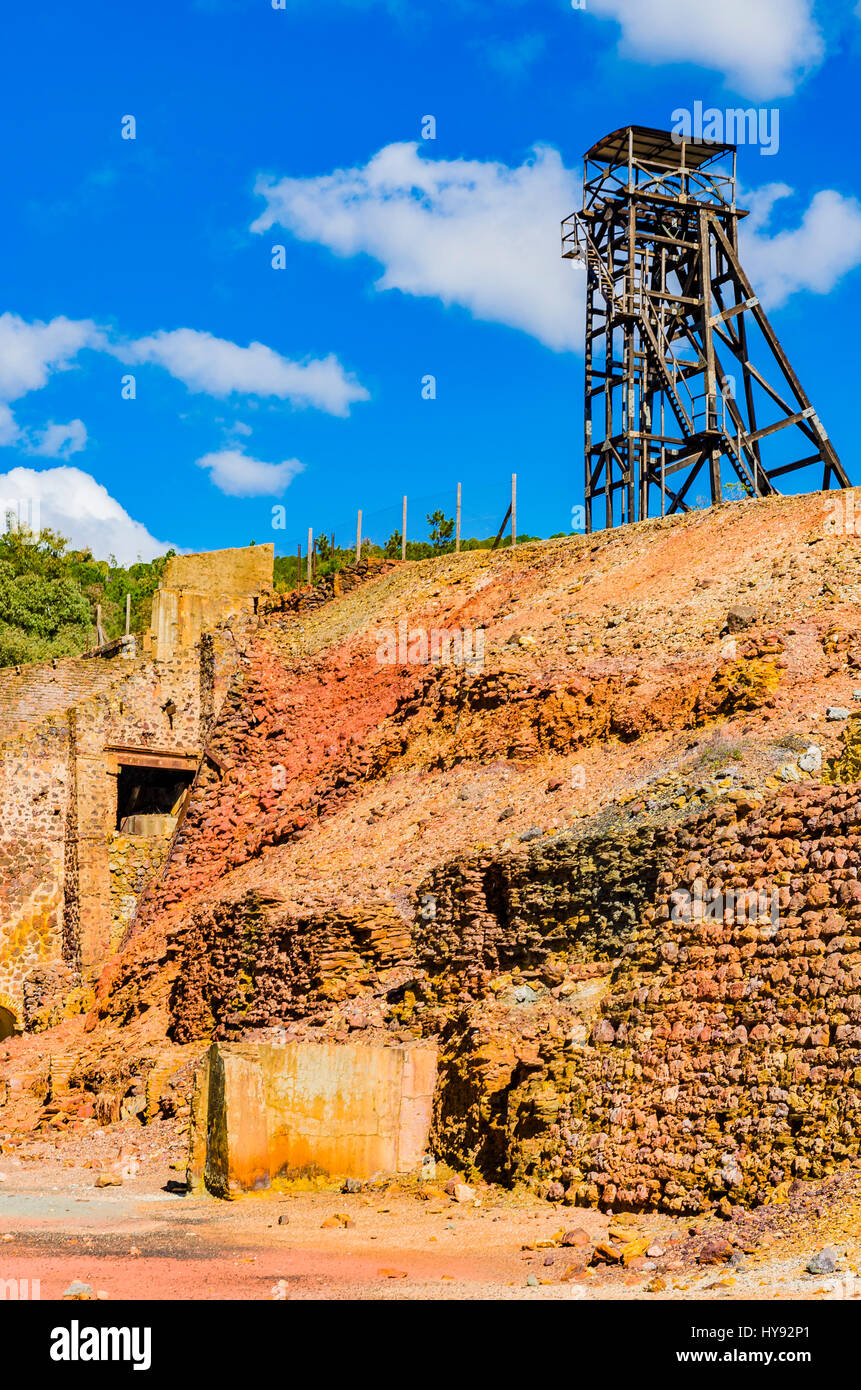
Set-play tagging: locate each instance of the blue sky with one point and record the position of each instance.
(404, 257)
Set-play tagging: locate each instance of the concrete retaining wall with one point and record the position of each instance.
(261, 1112)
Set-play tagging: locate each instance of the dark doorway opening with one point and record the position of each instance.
(150, 791)
(7, 1024)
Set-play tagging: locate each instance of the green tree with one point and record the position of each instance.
(49, 593)
(441, 529)
(324, 548)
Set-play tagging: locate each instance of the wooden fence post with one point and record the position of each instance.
(513, 509)
(404, 532)
(359, 538)
(457, 530)
(310, 545)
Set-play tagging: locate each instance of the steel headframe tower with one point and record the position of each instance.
(672, 328)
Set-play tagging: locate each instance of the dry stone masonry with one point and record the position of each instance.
(609, 876)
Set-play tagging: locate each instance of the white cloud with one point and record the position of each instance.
(763, 47)
(238, 475)
(219, 368)
(813, 256)
(59, 441)
(478, 234)
(9, 430)
(73, 503)
(30, 352)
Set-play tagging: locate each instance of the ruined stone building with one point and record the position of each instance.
(97, 755)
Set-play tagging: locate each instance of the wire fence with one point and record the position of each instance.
(436, 523)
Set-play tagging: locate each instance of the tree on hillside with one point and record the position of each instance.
(48, 596)
(324, 548)
(441, 528)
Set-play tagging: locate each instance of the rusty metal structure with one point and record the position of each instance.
(685, 375)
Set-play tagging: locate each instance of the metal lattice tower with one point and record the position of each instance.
(684, 372)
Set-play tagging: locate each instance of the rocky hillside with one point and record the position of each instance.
(609, 859)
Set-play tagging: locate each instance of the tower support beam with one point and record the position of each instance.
(683, 368)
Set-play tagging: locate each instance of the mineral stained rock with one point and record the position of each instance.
(576, 866)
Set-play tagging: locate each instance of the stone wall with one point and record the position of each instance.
(133, 861)
(240, 573)
(34, 791)
(642, 1014)
(707, 1050)
(198, 593)
(68, 883)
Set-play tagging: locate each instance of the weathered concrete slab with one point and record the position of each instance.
(261, 1112)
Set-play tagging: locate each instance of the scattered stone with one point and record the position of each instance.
(352, 1185)
(576, 1238)
(811, 761)
(79, 1292)
(531, 1281)
(284, 1221)
(606, 1252)
(740, 617)
(836, 712)
(109, 1179)
(524, 994)
(825, 1262)
(460, 1191)
(715, 1252)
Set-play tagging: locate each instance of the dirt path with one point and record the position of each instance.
(138, 1241)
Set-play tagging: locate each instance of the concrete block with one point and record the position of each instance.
(263, 1112)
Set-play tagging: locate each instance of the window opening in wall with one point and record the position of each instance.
(149, 791)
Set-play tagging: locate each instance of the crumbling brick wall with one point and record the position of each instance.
(717, 1057)
(133, 861)
(662, 1015)
(33, 792)
(58, 908)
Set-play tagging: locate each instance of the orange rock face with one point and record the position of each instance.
(590, 864)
